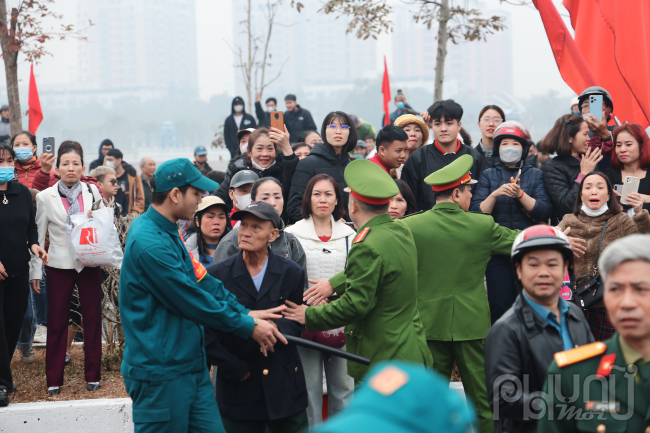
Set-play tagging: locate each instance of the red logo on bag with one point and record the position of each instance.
(88, 236)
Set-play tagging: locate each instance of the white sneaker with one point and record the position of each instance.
(40, 336)
(27, 355)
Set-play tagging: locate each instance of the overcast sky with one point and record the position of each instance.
(535, 71)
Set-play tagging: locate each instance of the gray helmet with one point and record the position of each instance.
(596, 90)
(243, 177)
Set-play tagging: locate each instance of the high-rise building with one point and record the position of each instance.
(144, 46)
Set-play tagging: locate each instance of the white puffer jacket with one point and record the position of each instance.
(324, 259)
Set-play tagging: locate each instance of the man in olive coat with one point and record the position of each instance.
(453, 248)
(378, 290)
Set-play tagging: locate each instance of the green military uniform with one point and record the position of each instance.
(601, 392)
(378, 290)
(400, 397)
(453, 249)
(165, 297)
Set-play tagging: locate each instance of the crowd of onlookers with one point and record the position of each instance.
(571, 179)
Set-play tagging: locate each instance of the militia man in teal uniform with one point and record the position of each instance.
(165, 298)
(401, 397)
(453, 248)
(378, 290)
(605, 386)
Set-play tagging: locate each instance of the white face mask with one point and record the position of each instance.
(242, 200)
(243, 149)
(594, 212)
(510, 154)
(239, 108)
(110, 164)
(270, 109)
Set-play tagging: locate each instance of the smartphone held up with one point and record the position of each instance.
(48, 145)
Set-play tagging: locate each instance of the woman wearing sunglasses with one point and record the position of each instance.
(329, 157)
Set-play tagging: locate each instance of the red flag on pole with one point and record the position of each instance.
(572, 65)
(614, 37)
(385, 89)
(35, 114)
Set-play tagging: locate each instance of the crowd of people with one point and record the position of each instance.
(403, 243)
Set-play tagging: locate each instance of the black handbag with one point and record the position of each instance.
(589, 288)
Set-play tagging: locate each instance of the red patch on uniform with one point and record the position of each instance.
(606, 365)
(361, 236)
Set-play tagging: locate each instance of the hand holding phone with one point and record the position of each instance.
(48, 145)
(630, 185)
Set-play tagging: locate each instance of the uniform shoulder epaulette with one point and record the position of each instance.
(361, 236)
(579, 354)
(413, 214)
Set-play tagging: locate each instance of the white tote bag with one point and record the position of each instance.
(95, 241)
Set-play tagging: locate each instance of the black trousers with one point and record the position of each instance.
(14, 296)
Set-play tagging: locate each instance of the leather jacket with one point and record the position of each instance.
(522, 344)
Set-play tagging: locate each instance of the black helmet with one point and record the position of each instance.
(541, 237)
(596, 90)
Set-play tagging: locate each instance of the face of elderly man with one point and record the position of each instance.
(627, 299)
(255, 234)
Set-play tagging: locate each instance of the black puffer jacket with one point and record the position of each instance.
(508, 211)
(522, 344)
(321, 159)
(238, 164)
(230, 128)
(560, 174)
(298, 121)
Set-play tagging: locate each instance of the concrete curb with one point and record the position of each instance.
(111, 415)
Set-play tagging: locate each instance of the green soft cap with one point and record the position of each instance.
(369, 180)
(178, 172)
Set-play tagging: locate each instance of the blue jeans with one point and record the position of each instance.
(29, 326)
(40, 303)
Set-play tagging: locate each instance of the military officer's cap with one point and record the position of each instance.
(369, 183)
(454, 174)
(401, 397)
(178, 172)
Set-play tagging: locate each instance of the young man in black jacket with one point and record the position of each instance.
(238, 119)
(520, 346)
(263, 118)
(445, 117)
(297, 119)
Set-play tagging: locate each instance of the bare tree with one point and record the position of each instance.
(22, 30)
(254, 61)
(369, 18)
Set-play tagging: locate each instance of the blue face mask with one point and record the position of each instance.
(575, 112)
(23, 153)
(400, 105)
(6, 174)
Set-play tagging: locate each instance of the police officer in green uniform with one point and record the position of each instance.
(453, 248)
(378, 290)
(401, 397)
(605, 386)
(165, 298)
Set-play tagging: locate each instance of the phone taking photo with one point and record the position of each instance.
(48, 145)
(596, 106)
(277, 120)
(630, 185)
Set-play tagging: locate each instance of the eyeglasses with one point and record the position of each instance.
(334, 126)
(496, 120)
(113, 182)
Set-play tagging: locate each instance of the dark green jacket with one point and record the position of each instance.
(453, 248)
(618, 387)
(378, 303)
(163, 307)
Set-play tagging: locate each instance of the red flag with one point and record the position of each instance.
(385, 89)
(614, 38)
(572, 65)
(35, 114)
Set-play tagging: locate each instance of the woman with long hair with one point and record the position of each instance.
(595, 205)
(569, 139)
(403, 203)
(489, 119)
(326, 242)
(330, 157)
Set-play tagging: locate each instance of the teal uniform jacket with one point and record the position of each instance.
(378, 302)
(580, 401)
(453, 249)
(163, 307)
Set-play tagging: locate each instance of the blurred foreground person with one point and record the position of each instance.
(378, 289)
(400, 397)
(607, 384)
(166, 297)
(521, 344)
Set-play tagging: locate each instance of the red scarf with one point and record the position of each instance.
(442, 151)
(380, 162)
